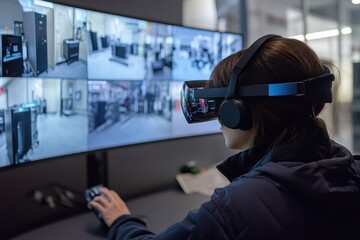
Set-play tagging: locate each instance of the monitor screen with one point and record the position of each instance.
(196, 52)
(42, 118)
(74, 80)
(116, 49)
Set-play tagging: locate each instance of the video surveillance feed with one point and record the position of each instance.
(41, 118)
(116, 47)
(159, 47)
(229, 43)
(42, 39)
(122, 48)
(196, 52)
(128, 112)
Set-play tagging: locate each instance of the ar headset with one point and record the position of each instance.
(200, 104)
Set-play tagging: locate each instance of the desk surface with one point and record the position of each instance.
(159, 210)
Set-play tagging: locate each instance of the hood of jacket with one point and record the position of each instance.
(313, 168)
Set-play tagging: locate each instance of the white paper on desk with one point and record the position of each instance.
(204, 182)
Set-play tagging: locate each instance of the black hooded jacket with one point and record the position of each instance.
(307, 188)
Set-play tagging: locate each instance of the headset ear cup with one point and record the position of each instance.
(235, 114)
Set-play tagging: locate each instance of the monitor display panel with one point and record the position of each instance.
(74, 80)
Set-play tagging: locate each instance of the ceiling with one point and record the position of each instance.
(325, 8)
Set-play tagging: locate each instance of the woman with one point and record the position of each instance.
(290, 181)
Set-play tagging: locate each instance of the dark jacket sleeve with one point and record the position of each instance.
(129, 227)
(206, 222)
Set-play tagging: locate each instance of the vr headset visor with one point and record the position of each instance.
(197, 107)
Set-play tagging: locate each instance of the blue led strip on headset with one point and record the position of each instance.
(261, 90)
(286, 89)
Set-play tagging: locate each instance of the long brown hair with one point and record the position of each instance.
(279, 60)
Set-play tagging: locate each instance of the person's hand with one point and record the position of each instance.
(110, 205)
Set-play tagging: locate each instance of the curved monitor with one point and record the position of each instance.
(74, 80)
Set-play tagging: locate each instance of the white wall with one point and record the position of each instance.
(97, 23)
(50, 37)
(80, 106)
(3, 97)
(3, 101)
(22, 90)
(17, 93)
(80, 18)
(10, 11)
(51, 88)
(35, 89)
(63, 20)
(200, 14)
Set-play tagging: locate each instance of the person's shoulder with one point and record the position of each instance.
(248, 202)
(245, 189)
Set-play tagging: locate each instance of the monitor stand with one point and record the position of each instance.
(96, 166)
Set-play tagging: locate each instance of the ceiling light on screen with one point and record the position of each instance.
(44, 4)
(346, 30)
(323, 34)
(355, 1)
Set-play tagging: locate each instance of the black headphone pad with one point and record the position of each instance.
(235, 114)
